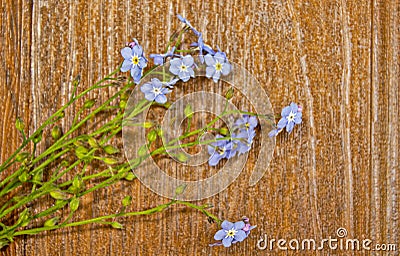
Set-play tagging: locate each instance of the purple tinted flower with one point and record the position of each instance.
(231, 233)
(182, 67)
(155, 90)
(247, 227)
(219, 150)
(187, 23)
(291, 115)
(134, 61)
(217, 65)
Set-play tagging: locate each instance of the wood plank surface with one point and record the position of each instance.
(339, 59)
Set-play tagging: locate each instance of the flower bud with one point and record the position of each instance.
(152, 136)
(147, 124)
(110, 161)
(142, 150)
(111, 150)
(126, 201)
(122, 104)
(81, 152)
(56, 132)
(59, 195)
(51, 222)
(74, 204)
(117, 225)
(180, 189)
(89, 103)
(19, 124)
(229, 93)
(182, 157)
(21, 156)
(38, 137)
(23, 177)
(130, 176)
(224, 131)
(93, 143)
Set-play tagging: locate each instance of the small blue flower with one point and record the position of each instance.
(291, 115)
(155, 90)
(186, 22)
(134, 60)
(231, 233)
(219, 150)
(217, 65)
(247, 122)
(242, 141)
(158, 59)
(182, 67)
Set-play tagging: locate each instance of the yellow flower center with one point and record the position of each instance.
(183, 68)
(135, 60)
(291, 117)
(247, 125)
(231, 233)
(218, 66)
(221, 151)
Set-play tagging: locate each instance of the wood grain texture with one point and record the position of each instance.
(340, 168)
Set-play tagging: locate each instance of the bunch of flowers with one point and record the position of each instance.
(74, 154)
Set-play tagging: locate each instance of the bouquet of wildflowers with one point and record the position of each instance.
(78, 164)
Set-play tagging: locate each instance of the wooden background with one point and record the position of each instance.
(339, 59)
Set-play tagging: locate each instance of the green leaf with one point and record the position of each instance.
(89, 103)
(93, 143)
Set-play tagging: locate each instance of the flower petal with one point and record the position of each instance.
(282, 123)
(147, 87)
(297, 119)
(210, 72)
(209, 60)
(240, 235)
(289, 126)
(227, 225)
(142, 62)
(149, 96)
(227, 241)
(216, 76)
(226, 68)
(294, 108)
(174, 69)
(161, 98)
(188, 60)
(238, 225)
(138, 50)
(214, 159)
(126, 65)
(126, 52)
(285, 111)
(220, 235)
